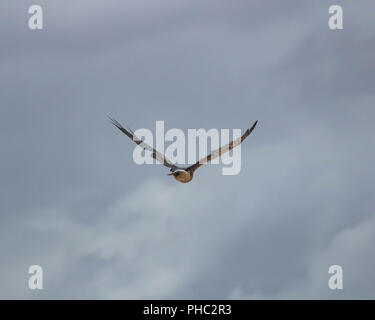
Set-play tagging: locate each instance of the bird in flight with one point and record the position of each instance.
(183, 175)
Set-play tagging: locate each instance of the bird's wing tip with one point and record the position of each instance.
(252, 127)
(115, 122)
(111, 119)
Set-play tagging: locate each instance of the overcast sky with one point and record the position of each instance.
(73, 201)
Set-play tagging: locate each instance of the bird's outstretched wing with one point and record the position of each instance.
(218, 152)
(155, 154)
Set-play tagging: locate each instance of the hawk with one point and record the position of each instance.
(183, 175)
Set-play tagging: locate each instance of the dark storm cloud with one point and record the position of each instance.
(74, 202)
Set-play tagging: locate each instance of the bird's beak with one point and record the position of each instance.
(170, 174)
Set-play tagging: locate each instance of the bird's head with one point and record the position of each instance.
(177, 172)
(181, 175)
(174, 173)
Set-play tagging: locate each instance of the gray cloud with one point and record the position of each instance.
(73, 201)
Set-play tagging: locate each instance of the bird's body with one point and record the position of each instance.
(183, 175)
